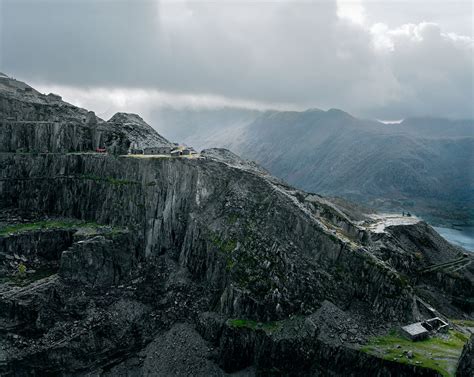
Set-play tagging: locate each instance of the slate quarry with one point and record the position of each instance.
(112, 265)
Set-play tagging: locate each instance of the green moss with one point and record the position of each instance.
(25, 227)
(47, 224)
(268, 327)
(437, 352)
(225, 246)
(463, 322)
(230, 264)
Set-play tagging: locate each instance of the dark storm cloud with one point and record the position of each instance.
(298, 53)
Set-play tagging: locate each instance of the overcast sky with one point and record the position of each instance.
(383, 59)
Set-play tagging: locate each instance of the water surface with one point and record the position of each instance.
(460, 236)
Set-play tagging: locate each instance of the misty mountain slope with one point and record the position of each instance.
(198, 127)
(410, 165)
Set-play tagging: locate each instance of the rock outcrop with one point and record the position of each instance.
(466, 362)
(34, 122)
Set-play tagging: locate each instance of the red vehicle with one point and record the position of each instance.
(100, 150)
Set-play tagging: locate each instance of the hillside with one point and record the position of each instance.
(421, 165)
(117, 264)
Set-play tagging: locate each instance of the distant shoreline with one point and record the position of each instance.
(460, 236)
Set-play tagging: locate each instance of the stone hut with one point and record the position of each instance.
(415, 331)
(436, 324)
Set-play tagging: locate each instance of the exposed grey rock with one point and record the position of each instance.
(466, 362)
(99, 261)
(140, 134)
(33, 122)
(205, 266)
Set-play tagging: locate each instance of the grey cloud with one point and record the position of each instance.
(278, 52)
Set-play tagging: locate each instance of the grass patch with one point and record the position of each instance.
(268, 327)
(46, 224)
(39, 225)
(440, 353)
(463, 322)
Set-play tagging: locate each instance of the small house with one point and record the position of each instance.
(157, 150)
(415, 331)
(150, 150)
(164, 150)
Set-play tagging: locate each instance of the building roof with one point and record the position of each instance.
(415, 329)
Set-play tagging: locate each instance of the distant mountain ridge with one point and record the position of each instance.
(421, 164)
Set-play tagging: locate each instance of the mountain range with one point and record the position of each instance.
(421, 165)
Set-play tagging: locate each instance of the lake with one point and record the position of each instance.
(460, 236)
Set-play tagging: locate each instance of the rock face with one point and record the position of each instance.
(34, 122)
(99, 261)
(210, 257)
(177, 205)
(138, 131)
(466, 363)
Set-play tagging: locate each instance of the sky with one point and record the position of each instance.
(386, 59)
